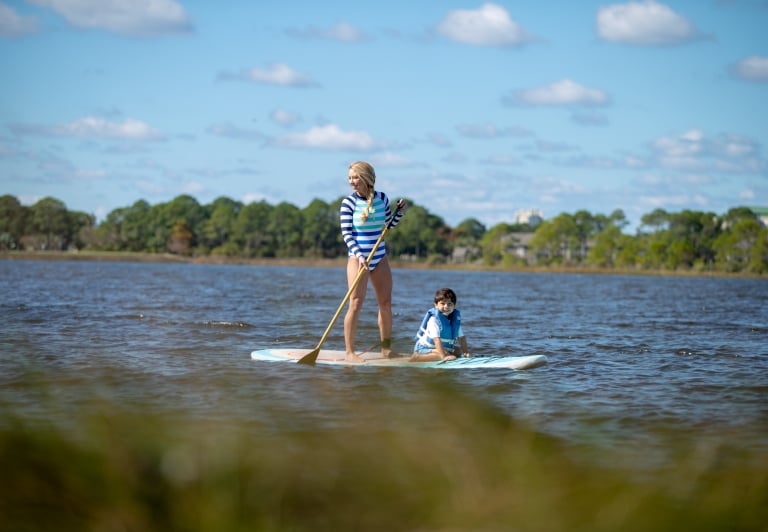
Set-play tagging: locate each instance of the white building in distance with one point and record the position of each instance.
(532, 217)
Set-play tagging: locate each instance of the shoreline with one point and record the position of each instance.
(126, 256)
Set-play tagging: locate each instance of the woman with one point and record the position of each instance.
(364, 214)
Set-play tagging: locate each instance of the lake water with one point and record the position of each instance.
(634, 361)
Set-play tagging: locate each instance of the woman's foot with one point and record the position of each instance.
(352, 357)
(386, 349)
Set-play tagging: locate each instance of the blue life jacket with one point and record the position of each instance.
(449, 328)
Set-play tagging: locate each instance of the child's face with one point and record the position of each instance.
(445, 307)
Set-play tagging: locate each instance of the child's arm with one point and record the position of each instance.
(440, 349)
(464, 349)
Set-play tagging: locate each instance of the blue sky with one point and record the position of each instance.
(471, 109)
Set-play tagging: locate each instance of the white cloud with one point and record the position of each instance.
(747, 194)
(89, 174)
(438, 139)
(694, 151)
(29, 199)
(393, 160)
(643, 23)
(490, 25)
(14, 25)
(328, 137)
(564, 92)
(152, 188)
(557, 188)
(279, 74)
(659, 201)
(589, 118)
(686, 145)
(276, 74)
(501, 160)
(98, 127)
(227, 130)
(454, 158)
(137, 17)
(255, 197)
(490, 131)
(753, 68)
(698, 179)
(284, 118)
(552, 147)
(735, 146)
(343, 31)
(192, 188)
(93, 127)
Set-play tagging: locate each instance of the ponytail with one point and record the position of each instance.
(366, 172)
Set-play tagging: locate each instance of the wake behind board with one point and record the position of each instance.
(336, 358)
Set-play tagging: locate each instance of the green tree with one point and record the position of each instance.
(420, 234)
(49, 225)
(655, 221)
(737, 214)
(693, 234)
(742, 246)
(627, 252)
(13, 221)
(678, 240)
(82, 226)
(557, 241)
(321, 233)
(468, 232)
(467, 235)
(251, 230)
(494, 242)
(125, 229)
(164, 216)
(107, 236)
(587, 225)
(219, 226)
(606, 247)
(285, 229)
(181, 238)
(610, 247)
(136, 230)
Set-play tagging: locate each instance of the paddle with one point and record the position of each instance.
(311, 357)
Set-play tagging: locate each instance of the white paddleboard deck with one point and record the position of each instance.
(336, 358)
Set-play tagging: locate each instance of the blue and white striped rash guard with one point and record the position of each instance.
(360, 236)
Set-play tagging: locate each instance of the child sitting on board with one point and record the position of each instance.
(440, 336)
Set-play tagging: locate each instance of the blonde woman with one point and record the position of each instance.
(364, 214)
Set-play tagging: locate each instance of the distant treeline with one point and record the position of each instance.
(689, 240)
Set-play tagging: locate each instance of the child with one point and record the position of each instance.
(440, 336)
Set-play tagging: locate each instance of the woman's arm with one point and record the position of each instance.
(346, 212)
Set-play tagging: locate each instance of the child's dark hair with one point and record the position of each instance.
(445, 294)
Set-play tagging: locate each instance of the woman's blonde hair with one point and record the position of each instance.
(365, 171)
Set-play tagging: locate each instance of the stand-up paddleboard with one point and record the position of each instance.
(336, 358)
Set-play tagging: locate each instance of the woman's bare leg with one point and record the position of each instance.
(381, 279)
(356, 300)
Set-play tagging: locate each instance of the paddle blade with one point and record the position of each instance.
(310, 358)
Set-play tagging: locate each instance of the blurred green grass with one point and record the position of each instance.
(448, 465)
